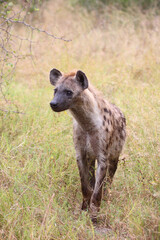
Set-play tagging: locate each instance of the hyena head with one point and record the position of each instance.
(68, 88)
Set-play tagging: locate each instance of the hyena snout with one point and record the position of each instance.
(59, 104)
(57, 107)
(53, 104)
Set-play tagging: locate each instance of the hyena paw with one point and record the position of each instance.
(85, 205)
(93, 212)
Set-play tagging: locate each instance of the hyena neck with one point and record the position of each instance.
(86, 112)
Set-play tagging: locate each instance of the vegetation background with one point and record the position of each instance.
(117, 44)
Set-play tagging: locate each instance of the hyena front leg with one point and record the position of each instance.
(113, 163)
(95, 201)
(80, 140)
(84, 176)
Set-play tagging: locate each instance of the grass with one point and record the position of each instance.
(40, 194)
(123, 4)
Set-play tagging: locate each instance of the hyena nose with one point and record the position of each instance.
(53, 104)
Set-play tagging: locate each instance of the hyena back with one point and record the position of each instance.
(98, 132)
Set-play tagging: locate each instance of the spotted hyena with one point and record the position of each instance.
(98, 129)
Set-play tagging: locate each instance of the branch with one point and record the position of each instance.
(11, 111)
(10, 46)
(16, 36)
(35, 28)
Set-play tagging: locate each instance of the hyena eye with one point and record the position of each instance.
(69, 93)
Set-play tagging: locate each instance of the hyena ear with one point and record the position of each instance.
(54, 76)
(82, 79)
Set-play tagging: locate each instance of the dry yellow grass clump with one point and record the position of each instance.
(40, 192)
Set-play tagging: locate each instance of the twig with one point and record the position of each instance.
(35, 28)
(16, 36)
(11, 111)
